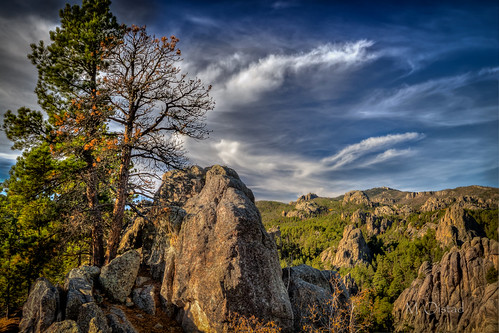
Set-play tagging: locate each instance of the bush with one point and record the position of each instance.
(491, 275)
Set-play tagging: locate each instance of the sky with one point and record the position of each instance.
(315, 96)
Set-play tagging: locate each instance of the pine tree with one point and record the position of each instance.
(70, 93)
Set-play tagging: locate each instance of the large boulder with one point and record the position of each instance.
(459, 294)
(143, 297)
(79, 285)
(41, 308)
(91, 319)
(222, 260)
(352, 249)
(118, 277)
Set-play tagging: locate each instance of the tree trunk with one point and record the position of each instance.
(95, 215)
(119, 204)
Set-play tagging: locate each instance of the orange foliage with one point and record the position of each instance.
(239, 323)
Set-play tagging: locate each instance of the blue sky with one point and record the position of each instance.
(317, 96)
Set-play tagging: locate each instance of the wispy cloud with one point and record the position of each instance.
(239, 81)
(293, 173)
(432, 101)
(353, 152)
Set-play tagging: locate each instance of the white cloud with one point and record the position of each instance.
(353, 152)
(241, 80)
(9, 156)
(388, 155)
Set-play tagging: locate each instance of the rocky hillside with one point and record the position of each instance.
(201, 260)
(458, 294)
(384, 237)
(201, 256)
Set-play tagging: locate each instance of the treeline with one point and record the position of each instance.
(113, 106)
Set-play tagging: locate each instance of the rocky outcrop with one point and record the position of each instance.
(457, 227)
(384, 211)
(304, 207)
(41, 308)
(356, 198)
(433, 204)
(118, 277)
(358, 217)
(79, 285)
(204, 255)
(352, 249)
(459, 294)
(310, 288)
(375, 224)
(307, 197)
(222, 260)
(180, 185)
(79, 306)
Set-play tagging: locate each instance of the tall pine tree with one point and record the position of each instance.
(70, 93)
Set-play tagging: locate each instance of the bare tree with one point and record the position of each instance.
(155, 106)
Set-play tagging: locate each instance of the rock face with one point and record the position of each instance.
(457, 227)
(459, 294)
(143, 298)
(118, 277)
(66, 326)
(305, 207)
(180, 185)
(309, 287)
(41, 308)
(222, 260)
(307, 197)
(357, 198)
(352, 249)
(79, 286)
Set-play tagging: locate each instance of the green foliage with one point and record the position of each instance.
(491, 275)
(29, 223)
(417, 220)
(488, 220)
(304, 241)
(272, 210)
(25, 129)
(397, 257)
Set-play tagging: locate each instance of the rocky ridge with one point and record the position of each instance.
(459, 294)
